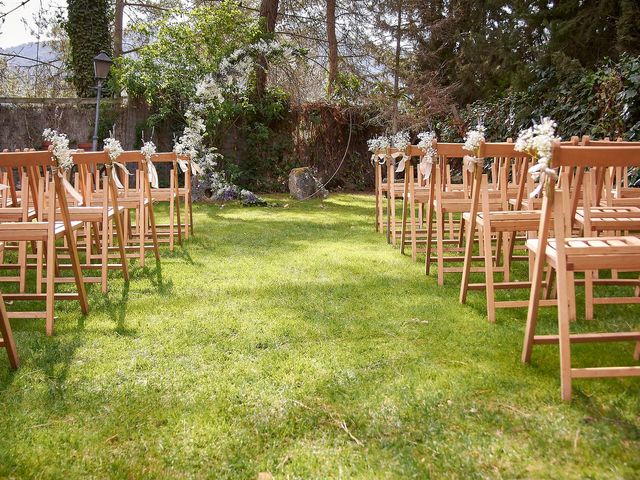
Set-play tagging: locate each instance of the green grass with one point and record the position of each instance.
(295, 341)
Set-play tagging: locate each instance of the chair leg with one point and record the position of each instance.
(588, 294)
(7, 337)
(50, 293)
(440, 245)
(488, 269)
(468, 258)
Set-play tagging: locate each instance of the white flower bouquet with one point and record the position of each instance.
(59, 148)
(538, 142)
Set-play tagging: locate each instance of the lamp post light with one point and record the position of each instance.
(101, 65)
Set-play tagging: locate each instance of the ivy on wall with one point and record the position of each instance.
(88, 28)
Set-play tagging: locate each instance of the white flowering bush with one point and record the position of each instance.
(474, 138)
(59, 148)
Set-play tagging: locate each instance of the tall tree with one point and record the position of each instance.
(332, 42)
(268, 17)
(87, 26)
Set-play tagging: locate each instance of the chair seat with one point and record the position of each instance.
(13, 214)
(594, 253)
(32, 231)
(509, 221)
(611, 218)
(91, 214)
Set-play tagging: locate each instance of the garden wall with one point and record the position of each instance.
(320, 135)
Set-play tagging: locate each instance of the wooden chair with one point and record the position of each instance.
(415, 201)
(172, 231)
(6, 337)
(44, 234)
(450, 198)
(499, 223)
(100, 213)
(390, 189)
(568, 255)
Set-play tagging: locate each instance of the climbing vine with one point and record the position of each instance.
(88, 28)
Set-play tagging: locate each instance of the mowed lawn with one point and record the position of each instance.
(295, 341)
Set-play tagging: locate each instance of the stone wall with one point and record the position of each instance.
(23, 120)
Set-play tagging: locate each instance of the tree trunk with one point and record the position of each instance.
(117, 28)
(396, 77)
(268, 16)
(333, 46)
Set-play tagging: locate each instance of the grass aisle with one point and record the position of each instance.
(295, 341)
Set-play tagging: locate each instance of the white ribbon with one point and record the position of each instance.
(3, 186)
(196, 169)
(114, 173)
(153, 174)
(184, 166)
(426, 165)
(67, 186)
(403, 161)
(470, 162)
(541, 172)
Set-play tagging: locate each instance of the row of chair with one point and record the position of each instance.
(480, 218)
(60, 228)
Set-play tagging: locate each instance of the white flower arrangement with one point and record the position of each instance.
(379, 143)
(474, 138)
(148, 149)
(401, 140)
(538, 142)
(60, 148)
(430, 153)
(426, 144)
(113, 147)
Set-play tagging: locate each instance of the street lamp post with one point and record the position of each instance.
(101, 65)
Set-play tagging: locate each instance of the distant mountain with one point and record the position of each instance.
(30, 51)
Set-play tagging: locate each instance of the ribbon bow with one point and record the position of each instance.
(153, 173)
(470, 162)
(65, 183)
(541, 172)
(403, 161)
(196, 169)
(114, 173)
(426, 165)
(184, 166)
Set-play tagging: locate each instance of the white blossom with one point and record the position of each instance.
(426, 144)
(60, 148)
(378, 144)
(401, 140)
(148, 149)
(474, 138)
(113, 147)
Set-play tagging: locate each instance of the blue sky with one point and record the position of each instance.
(13, 31)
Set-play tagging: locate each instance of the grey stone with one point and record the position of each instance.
(303, 184)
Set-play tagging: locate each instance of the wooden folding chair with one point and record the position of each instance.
(172, 231)
(6, 337)
(499, 223)
(449, 198)
(567, 255)
(44, 234)
(387, 189)
(414, 200)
